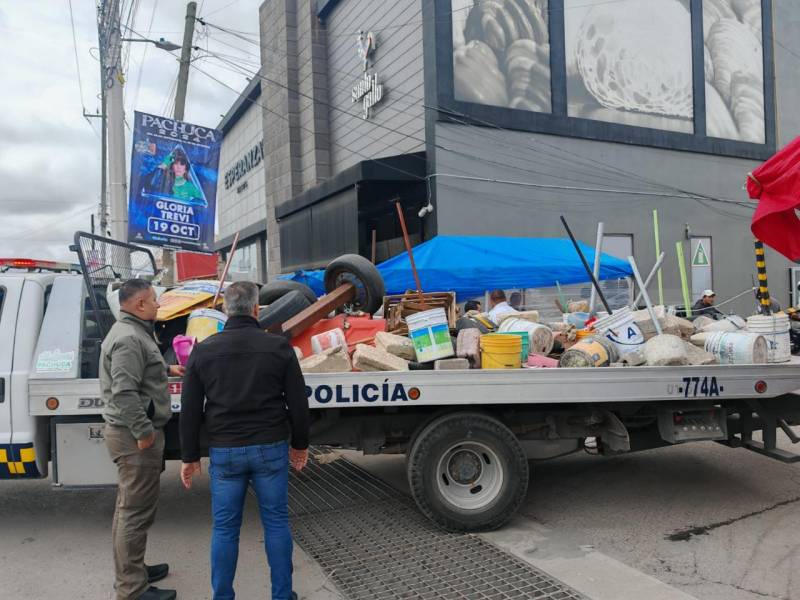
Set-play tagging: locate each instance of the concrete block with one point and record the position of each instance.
(451, 364)
(396, 345)
(468, 345)
(579, 306)
(367, 358)
(298, 353)
(633, 359)
(665, 350)
(698, 356)
(334, 360)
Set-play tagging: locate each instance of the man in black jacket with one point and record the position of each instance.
(246, 387)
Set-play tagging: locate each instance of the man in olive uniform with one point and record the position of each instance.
(133, 381)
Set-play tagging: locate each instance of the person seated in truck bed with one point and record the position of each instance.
(705, 306)
(499, 306)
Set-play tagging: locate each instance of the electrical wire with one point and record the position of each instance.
(77, 61)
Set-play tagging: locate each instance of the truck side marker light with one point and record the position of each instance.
(761, 386)
(52, 403)
(414, 393)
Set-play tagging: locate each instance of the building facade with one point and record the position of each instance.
(497, 118)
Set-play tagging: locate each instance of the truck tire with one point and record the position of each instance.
(274, 290)
(467, 472)
(283, 309)
(355, 269)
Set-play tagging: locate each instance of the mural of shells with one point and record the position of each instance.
(501, 53)
(630, 62)
(734, 70)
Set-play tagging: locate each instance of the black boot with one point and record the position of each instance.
(153, 593)
(156, 572)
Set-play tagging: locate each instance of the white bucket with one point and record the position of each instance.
(775, 329)
(738, 348)
(205, 322)
(622, 330)
(327, 340)
(540, 336)
(431, 335)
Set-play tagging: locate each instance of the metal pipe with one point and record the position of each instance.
(645, 294)
(586, 266)
(656, 269)
(225, 271)
(410, 253)
(598, 249)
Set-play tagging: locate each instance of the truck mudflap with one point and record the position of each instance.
(18, 461)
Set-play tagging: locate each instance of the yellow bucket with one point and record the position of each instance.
(582, 334)
(500, 351)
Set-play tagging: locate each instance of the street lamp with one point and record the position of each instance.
(160, 43)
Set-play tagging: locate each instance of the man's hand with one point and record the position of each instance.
(298, 458)
(147, 442)
(176, 370)
(187, 472)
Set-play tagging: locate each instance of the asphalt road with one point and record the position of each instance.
(709, 521)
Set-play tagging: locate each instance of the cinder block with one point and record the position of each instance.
(298, 353)
(367, 358)
(334, 360)
(468, 345)
(396, 345)
(451, 364)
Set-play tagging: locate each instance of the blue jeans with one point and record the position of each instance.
(266, 468)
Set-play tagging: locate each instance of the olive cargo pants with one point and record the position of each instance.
(139, 473)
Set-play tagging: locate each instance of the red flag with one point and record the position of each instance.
(776, 186)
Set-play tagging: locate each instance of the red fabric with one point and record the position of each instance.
(194, 265)
(777, 189)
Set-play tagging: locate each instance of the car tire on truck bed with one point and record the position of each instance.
(283, 309)
(355, 269)
(272, 291)
(467, 472)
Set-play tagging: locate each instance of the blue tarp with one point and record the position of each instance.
(470, 265)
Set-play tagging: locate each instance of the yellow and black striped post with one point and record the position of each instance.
(763, 286)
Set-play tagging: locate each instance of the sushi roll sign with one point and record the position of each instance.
(174, 170)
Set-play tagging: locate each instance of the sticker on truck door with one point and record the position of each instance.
(55, 361)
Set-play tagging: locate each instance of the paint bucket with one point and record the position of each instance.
(500, 351)
(593, 352)
(526, 343)
(583, 334)
(540, 336)
(205, 322)
(327, 340)
(735, 348)
(431, 334)
(182, 344)
(578, 319)
(775, 329)
(621, 329)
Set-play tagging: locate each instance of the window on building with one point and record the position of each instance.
(701, 263)
(244, 266)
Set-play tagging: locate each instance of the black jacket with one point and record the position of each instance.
(253, 389)
(707, 311)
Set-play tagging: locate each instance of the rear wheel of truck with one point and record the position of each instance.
(467, 472)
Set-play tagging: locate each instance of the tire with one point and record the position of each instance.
(357, 270)
(274, 290)
(485, 454)
(283, 309)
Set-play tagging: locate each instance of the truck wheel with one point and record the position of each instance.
(273, 290)
(283, 309)
(355, 269)
(467, 472)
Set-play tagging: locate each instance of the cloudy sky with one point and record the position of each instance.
(50, 154)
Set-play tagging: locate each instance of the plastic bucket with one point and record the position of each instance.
(205, 322)
(499, 351)
(775, 329)
(540, 336)
(735, 348)
(592, 352)
(327, 340)
(431, 335)
(583, 334)
(577, 319)
(621, 329)
(526, 343)
(182, 344)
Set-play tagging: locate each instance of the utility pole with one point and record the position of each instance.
(168, 256)
(112, 81)
(103, 164)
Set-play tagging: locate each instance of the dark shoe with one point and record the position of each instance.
(156, 572)
(153, 593)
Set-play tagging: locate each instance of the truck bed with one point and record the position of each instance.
(478, 387)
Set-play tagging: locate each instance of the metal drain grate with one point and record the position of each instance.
(374, 544)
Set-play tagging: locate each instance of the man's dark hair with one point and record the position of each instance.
(497, 295)
(131, 288)
(471, 305)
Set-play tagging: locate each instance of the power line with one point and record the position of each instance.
(75, 48)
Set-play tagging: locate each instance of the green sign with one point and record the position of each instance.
(700, 258)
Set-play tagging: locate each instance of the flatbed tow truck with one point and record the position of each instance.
(468, 436)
